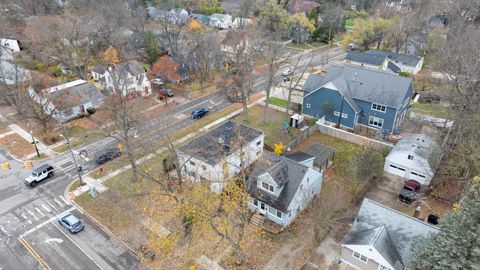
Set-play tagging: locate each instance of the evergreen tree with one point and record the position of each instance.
(457, 245)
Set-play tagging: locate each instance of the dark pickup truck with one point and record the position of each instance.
(409, 192)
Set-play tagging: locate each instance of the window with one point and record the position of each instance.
(308, 105)
(383, 268)
(255, 202)
(279, 214)
(360, 257)
(344, 115)
(336, 113)
(379, 108)
(192, 163)
(308, 179)
(416, 174)
(375, 121)
(268, 187)
(410, 157)
(259, 142)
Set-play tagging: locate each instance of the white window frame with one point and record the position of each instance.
(379, 108)
(281, 214)
(192, 163)
(382, 267)
(259, 142)
(255, 202)
(410, 157)
(359, 256)
(336, 113)
(308, 105)
(344, 115)
(378, 120)
(270, 188)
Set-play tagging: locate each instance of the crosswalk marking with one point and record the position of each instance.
(25, 217)
(60, 163)
(40, 212)
(68, 168)
(4, 231)
(51, 205)
(66, 202)
(46, 208)
(59, 203)
(33, 215)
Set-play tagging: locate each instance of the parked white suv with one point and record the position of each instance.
(39, 174)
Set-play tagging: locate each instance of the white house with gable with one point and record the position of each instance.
(221, 21)
(220, 154)
(281, 187)
(415, 157)
(131, 78)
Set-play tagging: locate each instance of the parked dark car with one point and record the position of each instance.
(199, 113)
(433, 219)
(106, 155)
(71, 223)
(409, 192)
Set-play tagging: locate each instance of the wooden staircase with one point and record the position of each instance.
(257, 220)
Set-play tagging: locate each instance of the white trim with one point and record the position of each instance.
(360, 257)
(376, 119)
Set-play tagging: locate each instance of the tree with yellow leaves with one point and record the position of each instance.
(109, 56)
(279, 148)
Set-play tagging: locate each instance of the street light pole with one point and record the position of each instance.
(79, 170)
(35, 143)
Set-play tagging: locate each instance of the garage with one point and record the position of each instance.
(394, 169)
(414, 157)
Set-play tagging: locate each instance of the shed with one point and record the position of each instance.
(323, 154)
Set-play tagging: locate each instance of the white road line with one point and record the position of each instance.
(31, 213)
(84, 252)
(51, 205)
(62, 162)
(58, 202)
(4, 231)
(68, 168)
(86, 159)
(46, 208)
(44, 223)
(66, 202)
(40, 212)
(25, 217)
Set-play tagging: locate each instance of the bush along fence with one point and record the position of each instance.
(300, 138)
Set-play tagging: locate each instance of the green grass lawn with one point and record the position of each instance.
(273, 127)
(75, 131)
(278, 102)
(430, 109)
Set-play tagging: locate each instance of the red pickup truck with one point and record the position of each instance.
(409, 192)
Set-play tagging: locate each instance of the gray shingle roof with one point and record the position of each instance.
(100, 68)
(132, 67)
(220, 142)
(366, 58)
(75, 96)
(420, 144)
(291, 174)
(320, 152)
(299, 156)
(405, 59)
(403, 233)
(364, 84)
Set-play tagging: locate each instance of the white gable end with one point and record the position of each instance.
(371, 253)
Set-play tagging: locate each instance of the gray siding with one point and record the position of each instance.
(347, 255)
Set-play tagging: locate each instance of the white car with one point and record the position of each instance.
(157, 81)
(287, 72)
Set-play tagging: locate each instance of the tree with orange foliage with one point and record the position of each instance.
(109, 56)
(166, 69)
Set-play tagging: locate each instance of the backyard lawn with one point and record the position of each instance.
(273, 127)
(435, 110)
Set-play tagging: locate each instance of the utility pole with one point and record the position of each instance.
(79, 169)
(34, 143)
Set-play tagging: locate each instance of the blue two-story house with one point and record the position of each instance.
(349, 96)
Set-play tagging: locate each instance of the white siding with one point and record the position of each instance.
(398, 163)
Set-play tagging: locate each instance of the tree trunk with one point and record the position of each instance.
(238, 254)
(131, 159)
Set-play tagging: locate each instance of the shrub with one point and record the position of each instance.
(81, 115)
(40, 66)
(55, 70)
(91, 110)
(405, 74)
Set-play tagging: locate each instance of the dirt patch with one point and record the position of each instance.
(83, 122)
(17, 145)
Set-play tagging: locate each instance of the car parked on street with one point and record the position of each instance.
(409, 192)
(287, 72)
(39, 174)
(71, 223)
(199, 113)
(106, 155)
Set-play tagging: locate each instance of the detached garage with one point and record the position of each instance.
(414, 157)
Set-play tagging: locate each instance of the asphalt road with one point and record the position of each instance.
(30, 237)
